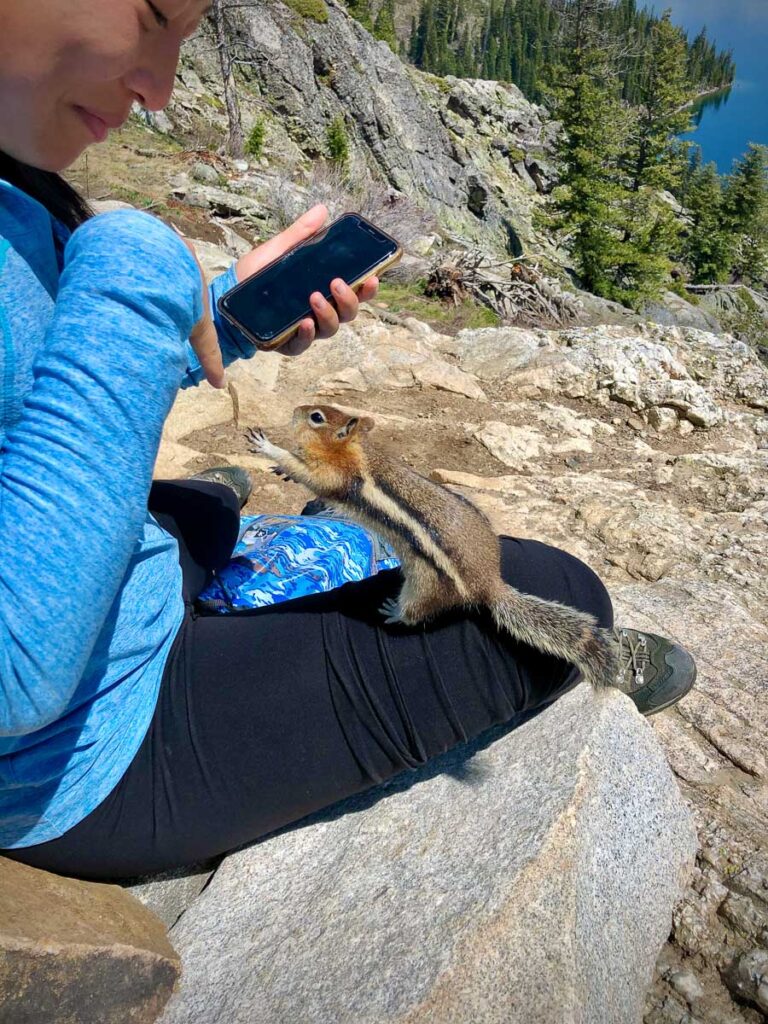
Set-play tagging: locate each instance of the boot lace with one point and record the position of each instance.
(633, 656)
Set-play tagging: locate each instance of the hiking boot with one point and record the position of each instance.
(653, 671)
(235, 477)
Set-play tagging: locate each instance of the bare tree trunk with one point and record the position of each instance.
(235, 141)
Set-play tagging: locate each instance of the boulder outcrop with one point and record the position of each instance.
(79, 953)
(529, 880)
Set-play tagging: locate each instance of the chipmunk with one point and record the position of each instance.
(449, 554)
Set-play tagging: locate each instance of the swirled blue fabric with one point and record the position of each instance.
(280, 558)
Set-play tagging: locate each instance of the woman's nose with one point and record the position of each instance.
(153, 81)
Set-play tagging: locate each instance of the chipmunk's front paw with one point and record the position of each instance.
(260, 443)
(257, 439)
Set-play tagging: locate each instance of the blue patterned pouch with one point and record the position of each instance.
(280, 558)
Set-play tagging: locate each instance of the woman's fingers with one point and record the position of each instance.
(345, 306)
(347, 302)
(306, 226)
(368, 289)
(205, 341)
(325, 314)
(203, 337)
(301, 340)
(328, 317)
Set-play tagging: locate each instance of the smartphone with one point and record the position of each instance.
(269, 306)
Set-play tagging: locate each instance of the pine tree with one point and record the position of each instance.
(338, 141)
(465, 56)
(746, 213)
(655, 162)
(643, 259)
(361, 10)
(708, 248)
(418, 42)
(384, 26)
(586, 205)
(431, 54)
(413, 41)
(255, 144)
(663, 93)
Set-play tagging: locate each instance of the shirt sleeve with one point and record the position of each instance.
(77, 466)
(234, 344)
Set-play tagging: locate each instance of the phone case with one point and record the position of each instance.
(288, 333)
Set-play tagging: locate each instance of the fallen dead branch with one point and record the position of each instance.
(516, 290)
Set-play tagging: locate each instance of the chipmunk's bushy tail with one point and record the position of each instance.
(559, 630)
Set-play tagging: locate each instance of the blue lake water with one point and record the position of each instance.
(729, 122)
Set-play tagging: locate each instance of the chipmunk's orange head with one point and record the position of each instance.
(311, 422)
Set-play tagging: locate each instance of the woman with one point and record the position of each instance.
(135, 733)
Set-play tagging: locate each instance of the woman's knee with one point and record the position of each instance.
(555, 575)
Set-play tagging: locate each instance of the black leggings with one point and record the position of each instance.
(266, 716)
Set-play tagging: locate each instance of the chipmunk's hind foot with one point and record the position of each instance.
(391, 612)
(400, 611)
(397, 613)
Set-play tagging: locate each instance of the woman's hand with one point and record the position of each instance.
(327, 316)
(204, 339)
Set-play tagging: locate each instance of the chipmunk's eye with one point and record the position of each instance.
(317, 417)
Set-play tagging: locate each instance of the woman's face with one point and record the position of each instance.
(71, 69)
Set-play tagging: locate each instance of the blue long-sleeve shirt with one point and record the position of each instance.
(94, 331)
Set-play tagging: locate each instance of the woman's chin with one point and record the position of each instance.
(58, 159)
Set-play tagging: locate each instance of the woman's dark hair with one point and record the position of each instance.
(56, 194)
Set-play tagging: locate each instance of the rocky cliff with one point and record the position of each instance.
(474, 154)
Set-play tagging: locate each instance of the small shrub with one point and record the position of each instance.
(349, 188)
(212, 101)
(313, 9)
(338, 141)
(254, 145)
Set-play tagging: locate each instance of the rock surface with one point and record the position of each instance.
(509, 890)
(79, 953)
(170, 894)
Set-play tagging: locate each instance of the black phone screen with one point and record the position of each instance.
(275, 298)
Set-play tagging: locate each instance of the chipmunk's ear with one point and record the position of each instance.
(349, 428)
(355, 426)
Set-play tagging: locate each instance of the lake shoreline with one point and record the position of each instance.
(728, 121)
(708, 93)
